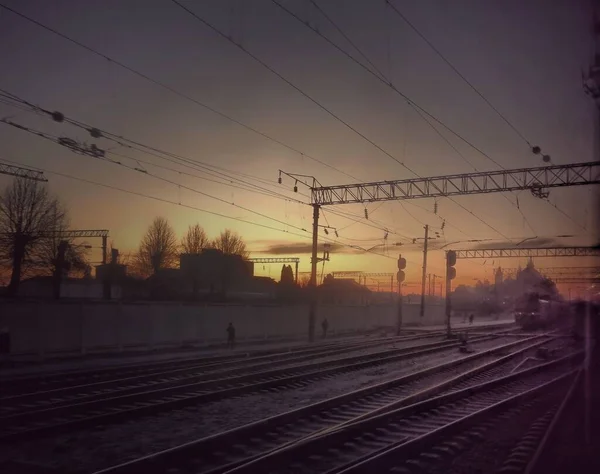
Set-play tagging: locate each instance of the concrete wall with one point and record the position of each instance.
(52, 327)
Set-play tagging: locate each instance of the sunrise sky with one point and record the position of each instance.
(525, 56)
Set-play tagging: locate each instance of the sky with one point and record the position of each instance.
(525, 56)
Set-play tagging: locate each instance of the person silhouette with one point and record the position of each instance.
(230, 336)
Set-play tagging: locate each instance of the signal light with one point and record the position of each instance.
(450, 262)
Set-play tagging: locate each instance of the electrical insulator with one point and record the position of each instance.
(435, 206)
(385, 236)
(443, 224)
(366, 214)
(58, 116)
(336, 234)
(536, 150)
(546, 158)
(94, 132)
(326, 231)
(414, 241)
(279, 180)
(296, 187)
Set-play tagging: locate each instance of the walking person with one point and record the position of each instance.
(230, 336)
(325, 326)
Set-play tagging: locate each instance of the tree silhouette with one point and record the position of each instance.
(231, 243)
(158, 249)
(194, 240)
(29, 219)
(287, 275)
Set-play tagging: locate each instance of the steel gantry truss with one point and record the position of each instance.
(529, 252)
(79, 234)
(295, 260)
(537, 180)
(20, 172)
(534, 179)
(362, 276)
(556, 271)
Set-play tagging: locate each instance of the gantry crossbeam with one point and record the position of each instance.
(530, 252)
(19, 172)
(459, 184)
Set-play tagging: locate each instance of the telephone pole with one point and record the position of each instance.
(312, 315)
(424, 276)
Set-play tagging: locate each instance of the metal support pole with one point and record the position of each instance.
(424, 276)
(448, 300)
(433, 286)
(312, 315)
(429, 292)
(104, 245)
(296, 272)
(399, 322)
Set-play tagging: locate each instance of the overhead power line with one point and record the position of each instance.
(169, 88)
(420, 111)
(458, 73)
(316, 102)
(100, 133)
(172, 90)
(386, 82)
(218, 214)
(290, 83)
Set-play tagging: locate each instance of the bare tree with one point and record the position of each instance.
(231, 243)
(158, 249)
(194, 240)
(45, 254)
(28, 215)
(304, 281)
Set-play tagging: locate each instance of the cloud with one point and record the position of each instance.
(535, 242)
(298, 248)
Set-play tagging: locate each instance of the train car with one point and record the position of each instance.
(535, 312)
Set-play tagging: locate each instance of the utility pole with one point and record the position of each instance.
(60, 265)
(400, 277)
(433, 285)
(424, 276)
(312, 315)
(450, 275)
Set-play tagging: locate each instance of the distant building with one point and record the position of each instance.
(80, 288)
(342, 291)
(216, 271)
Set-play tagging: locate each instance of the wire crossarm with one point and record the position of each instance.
(75, 234)
(20, 172)
(275, 260)
(530, 252)
(460, 184)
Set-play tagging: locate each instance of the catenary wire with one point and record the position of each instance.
(171, 89)
(321, 106)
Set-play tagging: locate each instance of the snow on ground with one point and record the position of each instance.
(90, 450)
(125, 359)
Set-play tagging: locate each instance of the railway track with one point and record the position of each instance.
(376, 443)
(239, 446)
(53, 380)
(28, 402)
(27, 421)
(474, 443)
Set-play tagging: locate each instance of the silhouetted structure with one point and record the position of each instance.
(343, 291)
(215, 271)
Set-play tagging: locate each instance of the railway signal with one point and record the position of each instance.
(450, 275)
(400, 276)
